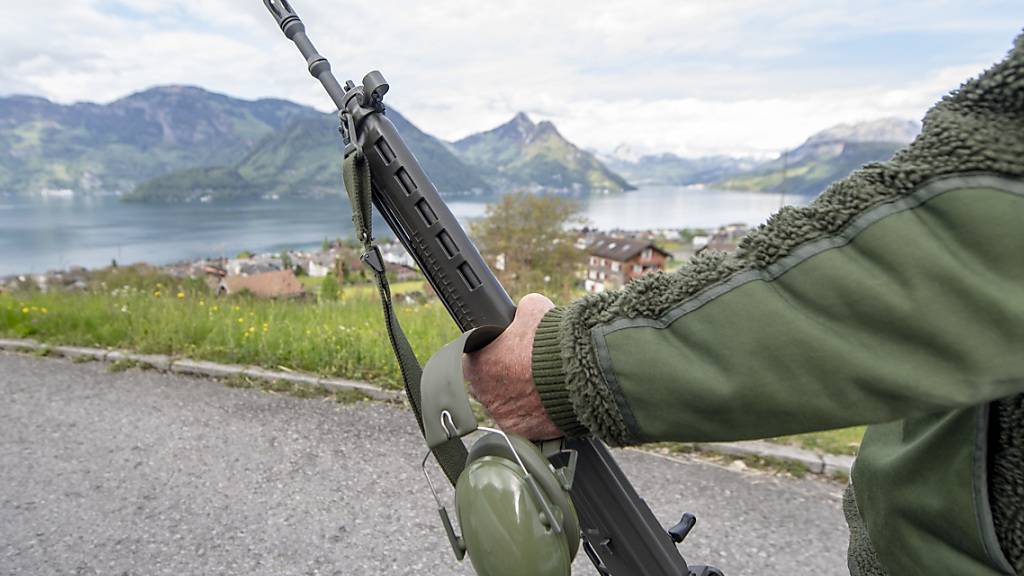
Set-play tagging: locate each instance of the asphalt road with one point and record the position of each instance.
(143, 473)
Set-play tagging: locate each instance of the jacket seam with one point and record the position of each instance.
(922, 194)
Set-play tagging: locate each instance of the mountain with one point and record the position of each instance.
(111, 147)
(675, 170)
(304, 159)
(825, 157)
(522, 153)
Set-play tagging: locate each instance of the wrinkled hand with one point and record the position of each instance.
(501, 376)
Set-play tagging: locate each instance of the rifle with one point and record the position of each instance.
(621, 535)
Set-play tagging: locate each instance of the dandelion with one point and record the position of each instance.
(25, 310)
(181, 295)
(235, 308)
(44, 310)
(156, 293)
(241, 320)
(214, 308)
(202, 302)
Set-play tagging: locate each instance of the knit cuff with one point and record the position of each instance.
(549, 374)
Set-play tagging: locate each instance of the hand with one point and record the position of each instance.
(501, 375)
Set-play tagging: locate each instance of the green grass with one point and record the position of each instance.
(345, 338)
(843, 441)
(364, 289)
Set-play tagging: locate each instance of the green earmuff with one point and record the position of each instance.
(513, 507)
(505, 528)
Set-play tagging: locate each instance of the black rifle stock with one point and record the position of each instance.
(621, 535)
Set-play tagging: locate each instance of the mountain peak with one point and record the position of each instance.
(522, 153)
(522, 118)
(520, 125)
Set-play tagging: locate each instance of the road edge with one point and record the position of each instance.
(815, 463)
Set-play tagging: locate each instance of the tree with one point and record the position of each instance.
(286, 261)
(527, 241)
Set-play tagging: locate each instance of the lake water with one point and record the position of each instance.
(44, 233)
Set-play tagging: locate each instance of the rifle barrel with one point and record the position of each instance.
(295, 31)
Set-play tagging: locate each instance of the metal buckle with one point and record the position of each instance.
(373, 259)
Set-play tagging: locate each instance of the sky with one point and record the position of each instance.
(737, 77)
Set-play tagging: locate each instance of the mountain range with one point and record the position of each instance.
(181, 143)
(826, 157)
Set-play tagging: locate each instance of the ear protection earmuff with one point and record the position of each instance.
(504, 525)
(513, 506)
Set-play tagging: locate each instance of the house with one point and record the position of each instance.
(319, 264)
(253, 265)
(612, 262)
(395, 253)
(277, 284)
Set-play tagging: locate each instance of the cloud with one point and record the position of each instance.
(737, 76)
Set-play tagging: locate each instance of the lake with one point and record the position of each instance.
(44, 233)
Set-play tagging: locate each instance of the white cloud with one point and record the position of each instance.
(691, 77)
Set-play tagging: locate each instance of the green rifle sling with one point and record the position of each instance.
(451, 455)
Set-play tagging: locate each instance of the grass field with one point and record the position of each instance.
(843, 441)
(363, 290)
(345, 338)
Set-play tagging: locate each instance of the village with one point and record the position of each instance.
(611, 259)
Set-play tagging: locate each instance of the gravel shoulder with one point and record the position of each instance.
(143, 472)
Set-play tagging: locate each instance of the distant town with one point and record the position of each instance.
(611, 260)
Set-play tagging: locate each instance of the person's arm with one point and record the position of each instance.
(899, 291)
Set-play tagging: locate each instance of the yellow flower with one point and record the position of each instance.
(156, 293)
(214, 308)
(202, 302)
(241, 320)
(25, 310)
(181, 295)
(235, 308)
(44, 310)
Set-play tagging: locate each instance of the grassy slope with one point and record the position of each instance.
(344, 339)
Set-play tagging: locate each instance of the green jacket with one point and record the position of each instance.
(895, 299)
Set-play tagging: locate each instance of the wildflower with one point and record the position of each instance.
(202, 302)
(44, 310)
(156, 293)
(24, 310)
(235, 308)
(181, 295)
(241, 320)
(124, 308)
(214, 308)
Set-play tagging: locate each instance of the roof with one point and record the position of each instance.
(620, 249)
(277, 284)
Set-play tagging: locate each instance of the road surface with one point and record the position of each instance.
(145, 473)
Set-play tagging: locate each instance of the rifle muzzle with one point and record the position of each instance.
(286, 17)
